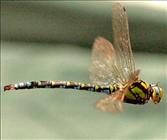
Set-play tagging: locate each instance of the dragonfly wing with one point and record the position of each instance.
(111, 65)
(114, 65)
(104, 68)
(125, 60)
(112, 102)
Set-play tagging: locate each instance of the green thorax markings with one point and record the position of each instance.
(138, 93)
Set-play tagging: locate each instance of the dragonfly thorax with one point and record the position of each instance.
(139, 93)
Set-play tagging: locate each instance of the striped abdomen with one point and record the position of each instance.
(108, 89)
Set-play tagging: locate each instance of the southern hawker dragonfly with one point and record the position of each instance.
(112, 71)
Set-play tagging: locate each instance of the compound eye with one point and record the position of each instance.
(157, 94)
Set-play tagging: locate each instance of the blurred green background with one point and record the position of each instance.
(52, 41)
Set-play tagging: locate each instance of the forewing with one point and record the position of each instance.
(103, 69)
(125, 60)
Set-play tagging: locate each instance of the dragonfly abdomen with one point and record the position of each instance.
(108, 89)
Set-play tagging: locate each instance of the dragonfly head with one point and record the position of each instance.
(157, 93)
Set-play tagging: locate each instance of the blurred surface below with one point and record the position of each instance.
(70, 114)
(80, 22)
(52, 41)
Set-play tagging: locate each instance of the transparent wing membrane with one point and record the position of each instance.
(111, 103)
(104, 69)
(114, 64)
(125, 60)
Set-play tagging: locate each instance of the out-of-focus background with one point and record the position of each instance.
(52, 41)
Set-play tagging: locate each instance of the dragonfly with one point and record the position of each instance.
(112, 71)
